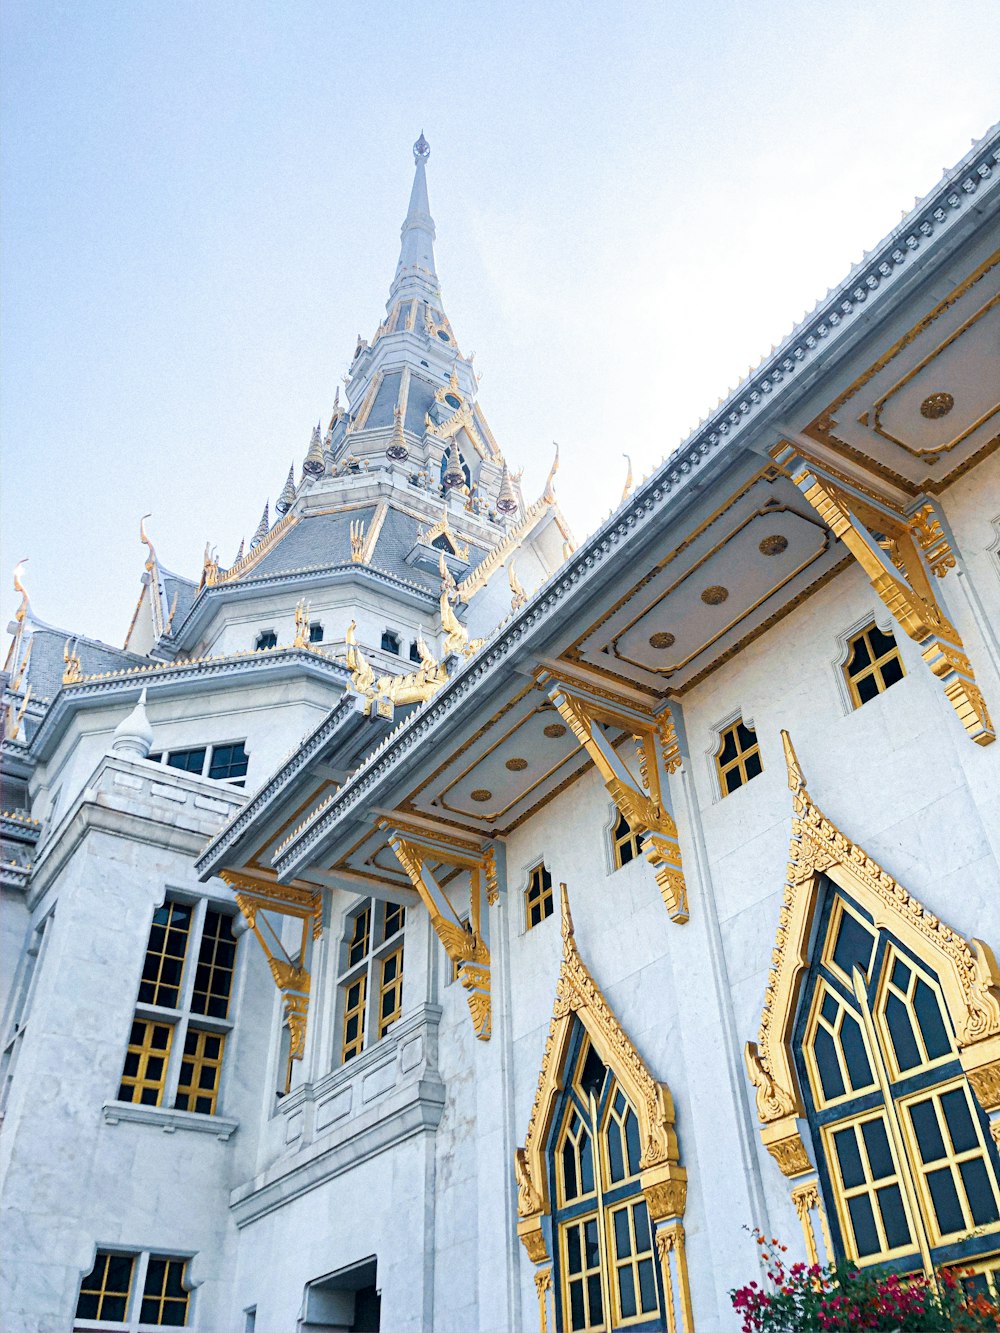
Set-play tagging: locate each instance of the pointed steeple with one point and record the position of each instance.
(506, 499)
(262, 528)
(239, 553)
(314, 463)
(415, 272)
(286, 499)
(454, 474)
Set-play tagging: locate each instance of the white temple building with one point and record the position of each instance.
(426, 923)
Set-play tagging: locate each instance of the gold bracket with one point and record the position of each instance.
(466, 944)
(895, 563)
(258, 900)
(642, 802)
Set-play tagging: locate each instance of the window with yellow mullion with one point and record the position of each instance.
(354, 1019)
(954, 1173)
(105, 1291)
(390, 991)
(538, 896)
(583, 1296)
(371, 981)
(626, 845)
(164, 1298)
(163, 967)
(201, 1068)
(873, 1208)
(738, 757)
(145, 1073)
(634, 1292)
(873, 665)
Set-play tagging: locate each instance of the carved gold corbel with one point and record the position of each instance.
(966, 969)
(807, 1202)
(257, 899)
(643, 802)
(895, 564)
(467, 945)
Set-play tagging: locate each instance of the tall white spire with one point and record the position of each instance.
(415, 272)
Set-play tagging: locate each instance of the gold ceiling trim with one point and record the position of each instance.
(966, 969)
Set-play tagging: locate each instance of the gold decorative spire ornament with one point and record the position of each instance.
(506, 499)
(397, 450)
(301, 639)
(262, 527)
(628, 480)
(286, 499)
(314, 461)
(22, 610)
(357, 540)
(454, 474)
(239, 553)
(549, 493)
(72, 671)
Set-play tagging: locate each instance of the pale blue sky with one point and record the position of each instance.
(633, 202)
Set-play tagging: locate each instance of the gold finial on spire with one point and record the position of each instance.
(628, 480)
(549, 493)
(506, 499)
(262, 527)
(357, 540)
(151, 557)
(567, 916)
(301, 639)
(22, 610)
(421, 149)
(454, 473)
(397, 450)
(286, 499)
(210, 566)
(796, 778)
(314, 462)
(72, 671)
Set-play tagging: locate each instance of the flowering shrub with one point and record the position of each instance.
(812, 1299)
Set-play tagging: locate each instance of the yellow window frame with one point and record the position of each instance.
(886, 987)
(538, 902)
(952, 1160)
(160, 1300)
(632, 1260)
(146, 1052)
(579, 1225)
(875, 664)
(196, 1062)
(842, 1195)
(354, 1009)
(391, 987)
(815, 1021)
(738, 764)
(102, 1291)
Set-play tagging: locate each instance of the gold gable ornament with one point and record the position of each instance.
(663, 1178)
(967, 972)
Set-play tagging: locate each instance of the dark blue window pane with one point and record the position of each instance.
(571, 1186)
(956, 1112)
(576, 1305)
(877, 1147)
(229, 761)
(753, 765)
(826, 1062)
(903, 1041)
(626, 1291)
(728, 748)
(890, 1202)
(892, 670)
(900, 974)
(860, 656)
(640, 1221)
(586, 1166)
(573, 1249)
(829, 1009)
(594, 1296)
(632, 1143)
(858, 1068)
(190, 761)
(647, 1286)
(854, 945)
(978, 1187)
(623, 1241)
(932, 1027)
(945, 1197)
(863, 1222)
(851, 1170)
(925, 1126)
(616, 1158)
(590, 1243)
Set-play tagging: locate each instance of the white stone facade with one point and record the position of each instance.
(395, 1168)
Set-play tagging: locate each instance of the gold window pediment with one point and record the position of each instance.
(578, 997)
(966, 968)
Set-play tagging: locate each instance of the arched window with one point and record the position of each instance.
(626, 844)
(606, 1272)
(905, 1157)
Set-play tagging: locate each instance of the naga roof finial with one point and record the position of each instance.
(421, 149)
(628, 480)
(22, 610)
(549, 492)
